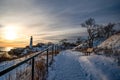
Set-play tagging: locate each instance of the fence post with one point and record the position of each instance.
(55, 50)
(52, 52)
(33, 68)
(47, 62)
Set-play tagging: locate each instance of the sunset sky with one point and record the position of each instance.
(51, 20)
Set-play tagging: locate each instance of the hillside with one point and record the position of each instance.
(112, 42)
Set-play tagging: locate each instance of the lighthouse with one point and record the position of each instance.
(31, 42)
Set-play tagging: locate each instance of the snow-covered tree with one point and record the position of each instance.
(108, 29)
(90, 25)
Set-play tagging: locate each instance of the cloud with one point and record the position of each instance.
(1, 25)
(55, 13)
(56, 18)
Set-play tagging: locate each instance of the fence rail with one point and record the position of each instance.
(53, 49)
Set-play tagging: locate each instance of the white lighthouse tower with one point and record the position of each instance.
(31, 42)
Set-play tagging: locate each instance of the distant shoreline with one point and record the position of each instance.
(6, 49)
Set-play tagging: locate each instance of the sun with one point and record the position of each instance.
(10, 33)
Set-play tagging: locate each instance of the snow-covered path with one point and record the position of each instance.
(67, 68)
(71, 65)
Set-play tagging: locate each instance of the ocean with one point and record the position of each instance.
(6, 48)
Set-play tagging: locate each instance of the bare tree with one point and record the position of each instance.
(108, 29)
(63, 41)
(79, 40)
(90, 25)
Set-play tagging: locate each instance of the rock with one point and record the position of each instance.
(17, 51)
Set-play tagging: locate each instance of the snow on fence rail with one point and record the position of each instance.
(32, 68)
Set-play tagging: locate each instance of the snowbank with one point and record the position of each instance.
(72, 65)
(112, 42)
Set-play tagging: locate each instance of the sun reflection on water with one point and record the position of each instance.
(8, 48)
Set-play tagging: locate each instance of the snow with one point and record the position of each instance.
(13, 74)
(34, 49)
(112, 42)
(72, 65)
(24, 67)
(23, 70)
(80, 46)
(6, 64)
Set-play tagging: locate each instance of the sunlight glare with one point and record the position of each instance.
(10, 33)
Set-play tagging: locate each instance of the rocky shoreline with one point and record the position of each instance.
(21, 52)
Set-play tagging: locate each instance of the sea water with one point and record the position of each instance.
(5, 49)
